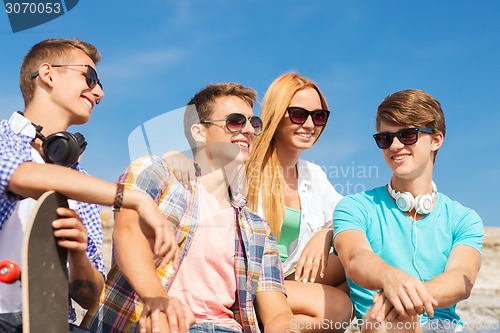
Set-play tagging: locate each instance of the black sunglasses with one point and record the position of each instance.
(235, 122)
(299, 115)
(406, 136)
(90, 75)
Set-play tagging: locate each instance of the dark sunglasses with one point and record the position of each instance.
(235, 122)
(406, 136)
(299, 115)
(90, 75)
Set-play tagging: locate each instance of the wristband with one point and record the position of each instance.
(117, 205)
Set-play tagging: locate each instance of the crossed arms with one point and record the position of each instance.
(401, 294)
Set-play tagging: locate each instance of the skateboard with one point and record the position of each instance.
(9, 271)
(43, 274)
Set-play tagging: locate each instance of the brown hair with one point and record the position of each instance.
(412, 108)
(264, 170)
(54, 52)
(200, 106)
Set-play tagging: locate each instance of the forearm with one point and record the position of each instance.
(283, 322)
(450, 287)
(360, 263)
(368, 270)
(274, 313)
(456, 282)
(136, 262)
(85, 281)
(32, 180)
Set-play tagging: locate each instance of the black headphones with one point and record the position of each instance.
(61, 148)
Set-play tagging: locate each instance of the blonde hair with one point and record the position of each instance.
(263, 169)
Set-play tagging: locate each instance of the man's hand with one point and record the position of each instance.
(314, 257)
(70, 231)
(182, 167)
(85, 281)
(165, 314)
(165, 243)
(402, 296)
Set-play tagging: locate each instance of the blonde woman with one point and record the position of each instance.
(297, 200)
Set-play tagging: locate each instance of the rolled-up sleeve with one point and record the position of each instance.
(14, 150)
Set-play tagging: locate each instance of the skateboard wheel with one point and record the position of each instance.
(9, 271)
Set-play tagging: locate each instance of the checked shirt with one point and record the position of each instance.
(257, 264)
(16, 136)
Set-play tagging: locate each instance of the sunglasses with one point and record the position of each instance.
(299, 115)
(406, 136)
(235, 122)
(90, 75)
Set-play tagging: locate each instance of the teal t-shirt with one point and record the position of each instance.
(289, 231)
(396, 238)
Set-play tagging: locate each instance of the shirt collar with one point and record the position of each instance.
(21, 125)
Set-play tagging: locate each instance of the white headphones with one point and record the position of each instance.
(406, 202)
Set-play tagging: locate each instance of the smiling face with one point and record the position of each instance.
(299, 137)
(222, 143)
(411, 161)
(70, 90)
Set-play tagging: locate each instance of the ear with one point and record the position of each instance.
(198, 133)
(45, 72)
(437, 141)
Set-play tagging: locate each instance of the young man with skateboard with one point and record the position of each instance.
(410, 252)
(60, 87)
(229, 272)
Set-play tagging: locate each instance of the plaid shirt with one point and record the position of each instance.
(257, 264)
(15, 149)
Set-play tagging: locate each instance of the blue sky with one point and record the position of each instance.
(157, 54)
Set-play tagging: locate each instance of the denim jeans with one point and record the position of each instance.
(211, 328)
(13, 323)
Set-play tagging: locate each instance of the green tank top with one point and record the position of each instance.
(289, 231)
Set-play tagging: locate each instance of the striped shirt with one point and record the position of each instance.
(257, 263)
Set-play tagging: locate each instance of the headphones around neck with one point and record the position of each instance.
(406, 202)
(61, 148)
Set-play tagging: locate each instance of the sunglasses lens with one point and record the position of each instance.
(91, 77)
(235, 122)
(256, 123)
(298, 116)
(320, 117)
(383, 140)
(408, 136)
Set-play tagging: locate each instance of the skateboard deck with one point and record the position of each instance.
(44, 276)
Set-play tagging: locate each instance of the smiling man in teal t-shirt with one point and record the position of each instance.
(410, 252)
